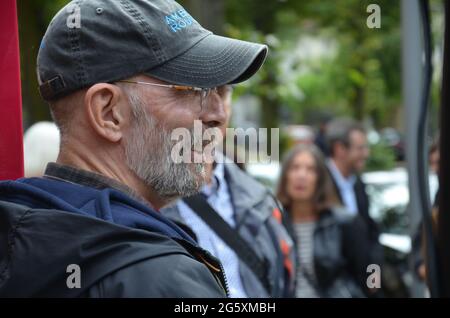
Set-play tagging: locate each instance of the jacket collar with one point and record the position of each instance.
(339, 178)
(245, 192)
(86, 178)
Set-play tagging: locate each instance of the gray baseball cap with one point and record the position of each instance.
(96, 41)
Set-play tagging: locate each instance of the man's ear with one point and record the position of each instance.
(106, 106)
(340, 149)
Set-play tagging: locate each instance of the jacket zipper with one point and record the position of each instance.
(225, 281)
(199, 253)
(219, 272)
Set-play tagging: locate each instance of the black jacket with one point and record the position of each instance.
(371, 227)
(38, 245)
(340, 258)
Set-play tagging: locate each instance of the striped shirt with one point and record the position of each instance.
(306, 276)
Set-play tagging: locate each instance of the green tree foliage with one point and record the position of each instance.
(361, 79)
(34, 16)
(382, 157)
(359, 76)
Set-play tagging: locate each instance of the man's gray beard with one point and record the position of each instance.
(148, 155)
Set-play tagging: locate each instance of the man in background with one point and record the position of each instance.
(349, 151)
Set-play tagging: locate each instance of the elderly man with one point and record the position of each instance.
(119, 77)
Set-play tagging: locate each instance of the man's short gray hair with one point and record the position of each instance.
(339, 130)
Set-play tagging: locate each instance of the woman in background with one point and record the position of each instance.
(332, 261)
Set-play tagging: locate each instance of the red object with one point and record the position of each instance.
(287, 261)
(276, 214)
(11, 133)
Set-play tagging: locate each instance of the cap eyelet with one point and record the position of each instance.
(99, 10)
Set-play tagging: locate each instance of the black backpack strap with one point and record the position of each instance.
(230, 236)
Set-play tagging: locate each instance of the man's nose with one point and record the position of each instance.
(213, 112)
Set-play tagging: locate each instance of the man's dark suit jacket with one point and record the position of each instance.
(362, 201)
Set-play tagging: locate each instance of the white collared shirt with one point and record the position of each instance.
(346, 187)
(219, 198)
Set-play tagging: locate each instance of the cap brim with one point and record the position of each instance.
(213, 61)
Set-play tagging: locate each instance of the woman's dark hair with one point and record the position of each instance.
(323, 195)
